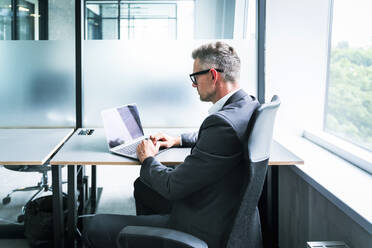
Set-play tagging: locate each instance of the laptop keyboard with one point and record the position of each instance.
(131, 149)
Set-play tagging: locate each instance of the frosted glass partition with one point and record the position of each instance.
(155, 75)
(37, 84)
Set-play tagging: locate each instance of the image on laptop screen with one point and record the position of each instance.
(122, 125)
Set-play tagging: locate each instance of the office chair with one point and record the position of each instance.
(246, 230)
(41, 186)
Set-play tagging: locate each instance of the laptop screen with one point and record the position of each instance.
(122, 125)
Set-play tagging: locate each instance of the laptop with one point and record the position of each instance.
(123, 130)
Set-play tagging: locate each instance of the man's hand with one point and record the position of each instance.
(146, 149)
(164, 140)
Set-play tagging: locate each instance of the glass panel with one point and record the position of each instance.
(125, 29)
(109, 10)
(61, 19)
(94, 23)
(215, 19)
(109, 29)
(158, 29)
(26, 18)
(37, 85)
(185, 20)
(141, 21)
(148, 11)
(37, 20)
(207, 19)
(155, 75)
(101, 20)
(5, 20)
(349, 102)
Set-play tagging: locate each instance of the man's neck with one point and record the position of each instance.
(225, 88)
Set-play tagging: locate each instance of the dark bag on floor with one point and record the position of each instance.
(39, 221)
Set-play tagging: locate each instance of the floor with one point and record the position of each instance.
(117, 194)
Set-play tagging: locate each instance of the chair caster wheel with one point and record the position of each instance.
(21, 218)
(6, 200)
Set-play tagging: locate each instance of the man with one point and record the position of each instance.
(204, 191)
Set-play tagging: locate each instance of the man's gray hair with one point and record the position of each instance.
(219, 55)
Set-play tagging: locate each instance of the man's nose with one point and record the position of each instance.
(194, 85)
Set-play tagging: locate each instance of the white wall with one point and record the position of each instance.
(296, 61)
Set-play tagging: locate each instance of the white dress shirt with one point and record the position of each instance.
(219, 104)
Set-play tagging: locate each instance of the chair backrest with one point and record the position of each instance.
(246, 230)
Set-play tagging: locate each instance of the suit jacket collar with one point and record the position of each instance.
(235, 97)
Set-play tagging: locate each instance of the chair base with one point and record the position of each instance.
(42, 186)
(21, 216)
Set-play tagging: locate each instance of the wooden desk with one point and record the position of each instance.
(93, 150)
(30, 146)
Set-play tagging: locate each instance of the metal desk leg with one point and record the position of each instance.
(93, 197)
(81, 197)
(58, 218)
(275, 202)
(268, 207)
(72, 209)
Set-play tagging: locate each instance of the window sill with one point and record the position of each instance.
(350, 152)
(345, 185)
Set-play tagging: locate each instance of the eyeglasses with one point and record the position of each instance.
(193, 75)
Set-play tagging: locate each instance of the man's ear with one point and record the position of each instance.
(214, 74)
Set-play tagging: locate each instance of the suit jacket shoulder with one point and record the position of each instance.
(238, 111)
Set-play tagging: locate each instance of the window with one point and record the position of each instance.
(25, 22)
(5, 20)
(296, 69)
(128, 20)
(348, 108)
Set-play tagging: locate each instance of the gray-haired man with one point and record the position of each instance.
(203, 191)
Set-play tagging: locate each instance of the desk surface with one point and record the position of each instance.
(30, 146)
(93, 150)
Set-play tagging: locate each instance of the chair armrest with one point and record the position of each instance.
(145, 236)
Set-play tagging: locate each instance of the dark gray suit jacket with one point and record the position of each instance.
(205, 189)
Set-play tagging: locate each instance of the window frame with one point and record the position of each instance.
(128, 17)
(341, 147)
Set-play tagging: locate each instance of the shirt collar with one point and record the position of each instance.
(219, 104)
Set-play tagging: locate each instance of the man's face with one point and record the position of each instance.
(205, 85)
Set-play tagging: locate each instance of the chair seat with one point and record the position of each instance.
(146, 236)
(27, 168)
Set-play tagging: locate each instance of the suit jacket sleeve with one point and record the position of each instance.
(189, 139)
(217, 151)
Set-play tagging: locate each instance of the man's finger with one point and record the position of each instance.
(148, 143)
(159, 136)
(157, 146)
(162, 144)
(153, 139)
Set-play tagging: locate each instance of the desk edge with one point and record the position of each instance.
(49, 155)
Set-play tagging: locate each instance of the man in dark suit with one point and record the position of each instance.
(203, 192)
